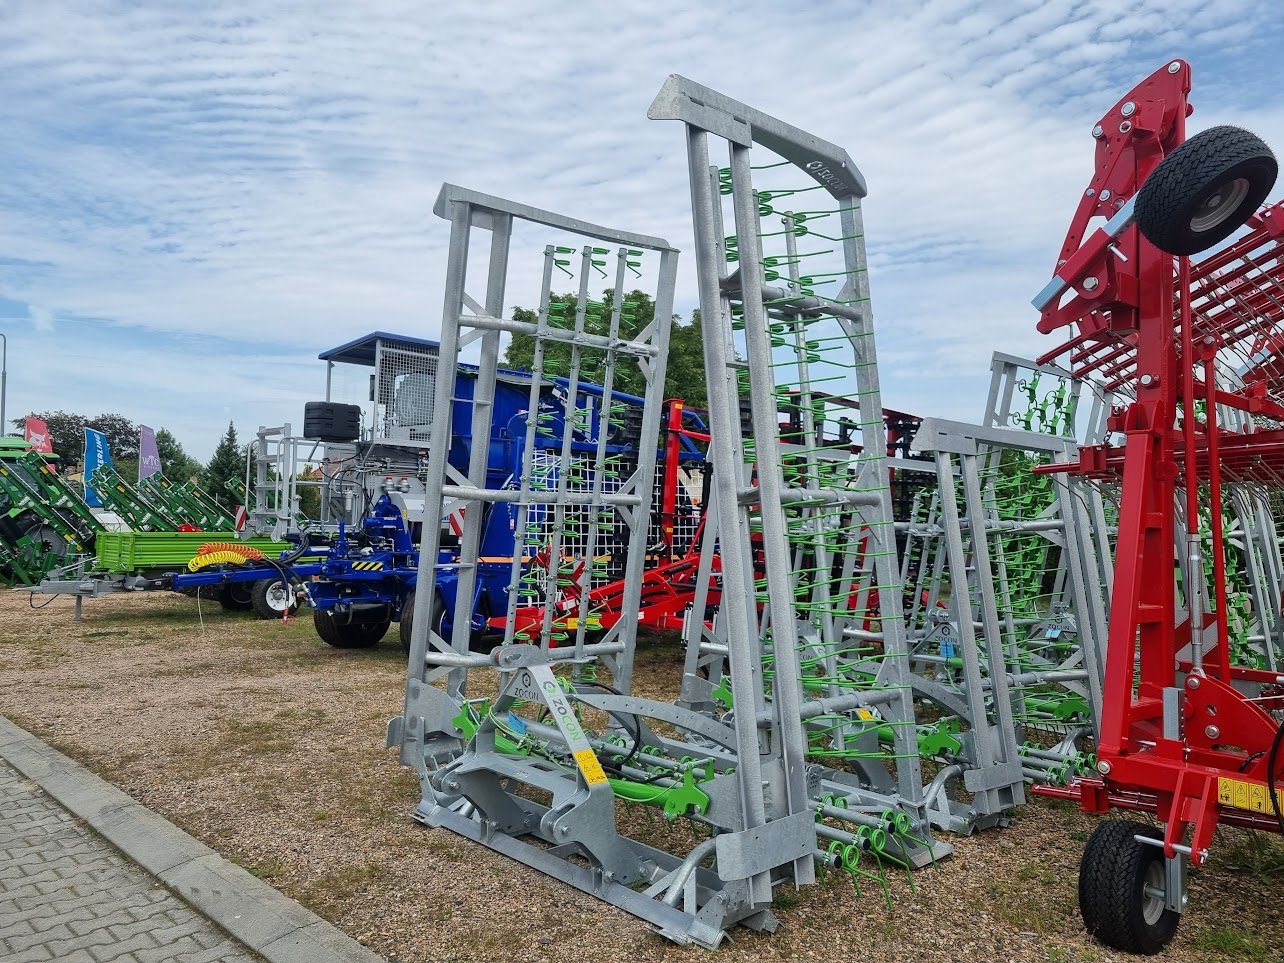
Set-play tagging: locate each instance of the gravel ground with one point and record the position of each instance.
(268, 746)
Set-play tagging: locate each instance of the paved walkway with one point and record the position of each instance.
(68, 895)
(90, 875)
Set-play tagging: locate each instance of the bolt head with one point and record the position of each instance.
(1174, 66)
(1103, 767)
(1090, 192)
(1147, 380)
(1128, 109)
(1105, 195)
(1192, 682)
(1090, 284)
(1097, 131)
(1125, 127)
(1212, 732)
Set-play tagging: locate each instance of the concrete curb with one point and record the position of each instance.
(266, 921)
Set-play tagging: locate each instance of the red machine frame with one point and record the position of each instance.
(669, 588)
(1179, 735)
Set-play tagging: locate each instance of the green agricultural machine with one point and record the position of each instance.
(43, 520)
(52, 541)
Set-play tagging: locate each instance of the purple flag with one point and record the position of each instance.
(148, 456)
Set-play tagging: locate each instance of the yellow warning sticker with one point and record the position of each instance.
(591, 768)
(1241, 794)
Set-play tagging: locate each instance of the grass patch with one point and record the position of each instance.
(1027, 907)
(785, 899)
(1258, 854)
(1228, 942)
(251, 738)
(337, 886)
(266, 868)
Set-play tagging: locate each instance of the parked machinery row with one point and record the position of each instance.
(859, 677)
(893, 627)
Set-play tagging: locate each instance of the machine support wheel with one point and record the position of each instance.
(1121, 884)
(236, 597)
(272, 598)
(1205, 190)
(352, 635)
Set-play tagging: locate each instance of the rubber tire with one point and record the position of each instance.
(408, 617)
(404, 623)
(1112, 877)
(355, 635)
(1175, 190)
(263, 608)
(236, 597)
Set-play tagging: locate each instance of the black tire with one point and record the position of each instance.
(408, 617)
(236, 597)
(1205, 190)
(404, 623)
(273, 597)
(1113, 877)
(353, 635)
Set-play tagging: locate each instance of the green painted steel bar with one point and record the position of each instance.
(118, 496)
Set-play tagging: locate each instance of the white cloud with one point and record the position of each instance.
(266, 171)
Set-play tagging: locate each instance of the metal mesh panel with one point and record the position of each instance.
(405, 388)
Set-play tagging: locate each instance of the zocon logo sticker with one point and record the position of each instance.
(822, 172)
(562, 713)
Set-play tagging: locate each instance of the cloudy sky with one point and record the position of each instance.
(197, 198)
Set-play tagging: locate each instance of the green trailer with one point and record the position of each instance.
(152, 552)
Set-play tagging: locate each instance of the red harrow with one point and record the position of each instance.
(1185, 734)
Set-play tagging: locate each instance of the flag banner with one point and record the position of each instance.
(37, 435)
(148, 455)
(96, 454)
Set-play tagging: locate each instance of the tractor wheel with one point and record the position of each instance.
(236, 597)
(408, 616)
(1119, 879)
(272, 598)
(1204, 190)
(352, 635)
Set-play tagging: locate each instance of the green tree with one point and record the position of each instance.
(228, 462)
(67, 433)
(176, 464)
(122, 437)
(310, 495)
(685, 374)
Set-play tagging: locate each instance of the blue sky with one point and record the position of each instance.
(197, 198)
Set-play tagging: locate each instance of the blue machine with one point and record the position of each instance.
(367, 581)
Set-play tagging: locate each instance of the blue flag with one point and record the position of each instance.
(96, 454)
